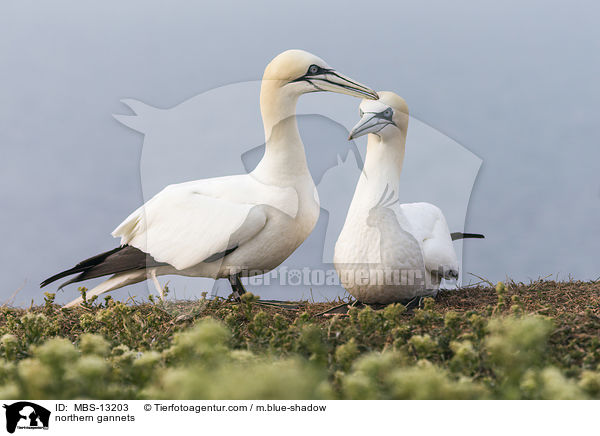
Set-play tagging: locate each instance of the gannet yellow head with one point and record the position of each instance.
(385, 117)
(298, 72)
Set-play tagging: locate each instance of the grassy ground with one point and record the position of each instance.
(537, 340)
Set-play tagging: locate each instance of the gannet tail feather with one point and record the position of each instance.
(118, 260)
(460, 235)
(115, 282)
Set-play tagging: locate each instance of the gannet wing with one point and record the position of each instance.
(430, 227)
(460, 235)
(184, 225)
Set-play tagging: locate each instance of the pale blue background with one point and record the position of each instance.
(516, 83)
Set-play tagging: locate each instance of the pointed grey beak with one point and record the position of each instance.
(369, 123)
(333, 81)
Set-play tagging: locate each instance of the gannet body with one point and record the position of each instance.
(386, 251)
(235, 225)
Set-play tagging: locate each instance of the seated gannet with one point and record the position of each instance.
(229, 226)
(386, 251)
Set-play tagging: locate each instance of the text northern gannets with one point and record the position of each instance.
(227, 226)
(387, 251)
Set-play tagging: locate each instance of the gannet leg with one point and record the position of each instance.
(237, 287)
(157, 285)
(238, 290)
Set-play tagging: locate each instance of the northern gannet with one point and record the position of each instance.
(235, 225)
(386, 251)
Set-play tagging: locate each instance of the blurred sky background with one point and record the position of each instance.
(515, 83)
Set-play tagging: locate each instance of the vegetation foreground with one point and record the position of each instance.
(519, 341)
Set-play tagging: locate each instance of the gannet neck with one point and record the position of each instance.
(284, 157)
(276, 104)
(383, 166)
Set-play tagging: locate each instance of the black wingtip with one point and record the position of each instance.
(460, 235)
(81, 266)
(473, 235)
(60, 275)
(120, 259)
(54, 278)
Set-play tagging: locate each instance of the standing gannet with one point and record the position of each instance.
(235, 225)
(386, 251)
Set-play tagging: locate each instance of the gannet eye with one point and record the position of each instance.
(314, 69)
(387, 113)
(360, 112)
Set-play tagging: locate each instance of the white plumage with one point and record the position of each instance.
(387, 251)
(225, 226)
(185, 224)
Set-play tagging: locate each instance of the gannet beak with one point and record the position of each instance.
(369, 123)
(331, 80)
(335, 82)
